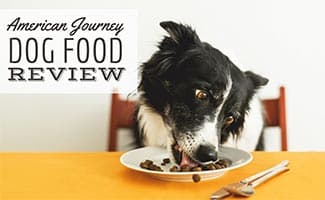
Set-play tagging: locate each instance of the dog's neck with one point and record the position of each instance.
(153, 129)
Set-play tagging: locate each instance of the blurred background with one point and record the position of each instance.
(281, 40)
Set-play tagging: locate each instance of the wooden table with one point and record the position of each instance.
(96, 176)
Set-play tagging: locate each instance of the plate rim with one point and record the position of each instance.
(132, 167)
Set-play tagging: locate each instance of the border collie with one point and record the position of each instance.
(193, 99)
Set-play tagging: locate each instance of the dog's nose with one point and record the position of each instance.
(207, 153)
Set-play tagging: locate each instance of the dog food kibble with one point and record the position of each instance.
(185, 168)
(166, 160)
(144, 165)
(174, 169)
(196, 169)
(218, 166)
(210, 166)
(196, 178)
(222, 163)
(148, 164)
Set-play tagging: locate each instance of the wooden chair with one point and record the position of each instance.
(275, 115)
(121, 117)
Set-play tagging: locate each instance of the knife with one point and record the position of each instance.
(222, 193)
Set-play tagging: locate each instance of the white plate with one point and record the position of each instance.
(132, 160)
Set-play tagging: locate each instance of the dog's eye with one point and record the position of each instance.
(228, 120)
(200, 94)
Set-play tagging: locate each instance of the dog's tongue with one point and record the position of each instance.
(187, 160)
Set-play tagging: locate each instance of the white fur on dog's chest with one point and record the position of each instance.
(155, 133)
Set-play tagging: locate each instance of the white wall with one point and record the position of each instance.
(53, 122)
(283, 40)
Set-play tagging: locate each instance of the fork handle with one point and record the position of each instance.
(247, 180)
(268, 176)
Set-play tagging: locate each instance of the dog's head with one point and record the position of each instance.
(202, 96)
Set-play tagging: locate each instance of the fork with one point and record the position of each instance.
(245, 186)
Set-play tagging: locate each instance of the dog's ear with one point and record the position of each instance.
(180, 33)
(256, 79)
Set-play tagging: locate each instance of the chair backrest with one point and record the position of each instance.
(121, 117)
(275, 115)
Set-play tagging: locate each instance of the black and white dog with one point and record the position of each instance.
(193, 99)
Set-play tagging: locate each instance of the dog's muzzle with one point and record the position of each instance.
(206, 153)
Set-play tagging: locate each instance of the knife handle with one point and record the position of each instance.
(268, 176)
(247, 180)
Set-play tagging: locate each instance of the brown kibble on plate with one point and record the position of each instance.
(222, 162)
(185, 168)
(144, 165)
(210, 167)
(150, 165)
(196, 169)
(196, 178)
(157, 168)
(217, 166)
(174, 169)
(154, 167)
(148, 162)
(166, 160)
